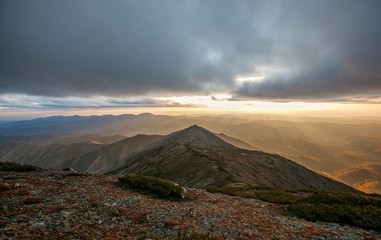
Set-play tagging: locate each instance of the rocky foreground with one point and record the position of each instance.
(50, 204)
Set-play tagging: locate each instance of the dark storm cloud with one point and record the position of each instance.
(332, 51)
(40, 102)
(313, 49)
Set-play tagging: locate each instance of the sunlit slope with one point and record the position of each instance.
(111, 156)
(322, 145)
(47, 156)
(365, 177)
(237, 142)
(196, 157)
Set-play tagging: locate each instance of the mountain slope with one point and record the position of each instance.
(318, 157)
(236, 142)
(47, 156)
(111, 156)
(194, 135)
(365, 177)
(195, 157)
(126, 124)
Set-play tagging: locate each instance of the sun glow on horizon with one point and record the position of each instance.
(26, 107)
(226, 101)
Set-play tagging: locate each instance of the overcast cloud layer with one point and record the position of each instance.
(293, 50)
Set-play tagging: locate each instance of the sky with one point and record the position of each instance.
(56, 56)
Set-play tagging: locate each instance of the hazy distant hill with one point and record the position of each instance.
(62, 138)
(237, 142)
(111, 156)
(365, 177)
(319, 157)
(96, 154)
(57, 125)
(50, 151)
(322, 145)
(371, 145)
(115, 155)
(196, 157)
(48, 156)
(242, 128)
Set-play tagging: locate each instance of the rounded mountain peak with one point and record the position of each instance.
(195, 135)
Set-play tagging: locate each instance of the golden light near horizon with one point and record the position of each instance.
(226, 101)
(27, 107)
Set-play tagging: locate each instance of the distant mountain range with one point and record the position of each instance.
(193, 157)
(101, 144)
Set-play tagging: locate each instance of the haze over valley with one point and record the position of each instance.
(347, 151)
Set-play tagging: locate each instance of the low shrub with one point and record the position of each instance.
(74, 174)
(358, 210)
(375, 195)
(355, 209)
(267, 194)
(367, 217)
(193, 235)
(277, 196)
(16, 167)
(343, 198)
(262, 187)
(154, 186)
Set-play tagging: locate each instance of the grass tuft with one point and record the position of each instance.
(16, 167)
(353, 199)
(267, 194)
(367, 217)
(277, 196)
(355, 209)
(153, 186)
(193, 235)
(358, 210)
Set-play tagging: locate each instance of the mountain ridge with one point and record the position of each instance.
(194, 135)
(195, 157)
(111, 156)
(323, 159)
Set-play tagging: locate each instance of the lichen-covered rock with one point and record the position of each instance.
(48, 205)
